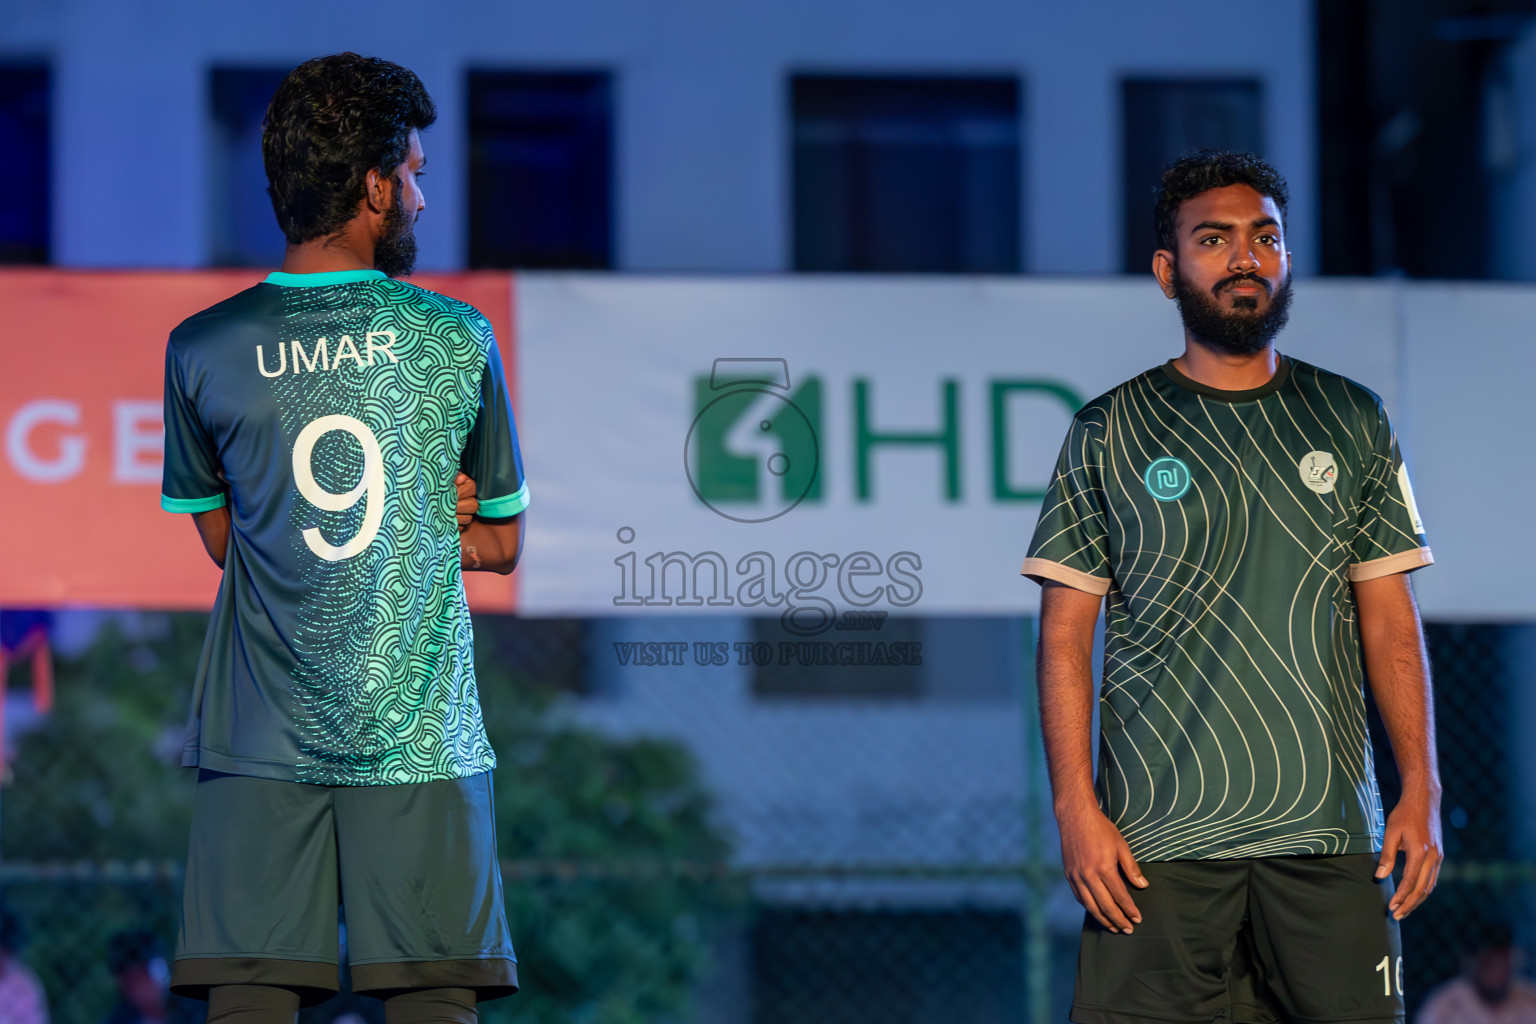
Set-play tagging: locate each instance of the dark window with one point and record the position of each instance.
(245, 231)
(540, 170)
(1349, 147)
(906, 174)
(24, 202)
(1420, 138)
(1164, 120)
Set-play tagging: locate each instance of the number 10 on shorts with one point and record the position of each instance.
(1389, 975)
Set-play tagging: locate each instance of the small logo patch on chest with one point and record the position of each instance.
(1319, 471)
(1167, 478)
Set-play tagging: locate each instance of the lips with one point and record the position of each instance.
(1244, 286)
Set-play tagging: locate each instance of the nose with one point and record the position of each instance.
(1244, 259)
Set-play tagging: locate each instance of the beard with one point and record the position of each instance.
(395, 253)
(1242, 331)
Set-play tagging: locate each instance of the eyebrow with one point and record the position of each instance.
(1215, 225)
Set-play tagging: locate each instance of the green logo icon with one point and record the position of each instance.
(1167, 479)
(751, 454)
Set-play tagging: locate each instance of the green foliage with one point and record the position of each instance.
(100, 778)
(603, 839)
(99, 781)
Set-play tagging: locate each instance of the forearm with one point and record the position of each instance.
(1397, 667)
(213, 527)
(491, 547)
(1066, 719)
(1064, 671)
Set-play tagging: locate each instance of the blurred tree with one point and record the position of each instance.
(614, 868)
(96, 784)
(99, 779)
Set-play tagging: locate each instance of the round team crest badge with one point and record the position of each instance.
(1319, 471)
(1167, 478)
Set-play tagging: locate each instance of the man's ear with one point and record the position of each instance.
(378, 191)
(1162, 269)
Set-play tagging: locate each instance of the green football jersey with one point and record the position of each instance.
(331, 412)
(1225, 528)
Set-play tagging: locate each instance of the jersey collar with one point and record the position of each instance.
(1275, 383)
(325, 279)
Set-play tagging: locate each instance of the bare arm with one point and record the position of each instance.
(485, 546)
(1064, 668)
(492, 547)
(1397, 666)
(1093, 853)
(213, 527)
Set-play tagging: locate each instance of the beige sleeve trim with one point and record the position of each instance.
(1039, 569)
(1403, 561)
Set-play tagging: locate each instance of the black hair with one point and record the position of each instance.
(1496, 936)
(332, 121)
(134, 947)
(12, 935)
(1191, 175)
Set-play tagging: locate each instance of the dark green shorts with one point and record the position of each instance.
(415, 865)
(1306, 939)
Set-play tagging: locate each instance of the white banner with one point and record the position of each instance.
(832, 445)
(1468, 368)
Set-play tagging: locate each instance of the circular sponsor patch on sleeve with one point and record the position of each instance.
(1319, 471)
(1167, 478)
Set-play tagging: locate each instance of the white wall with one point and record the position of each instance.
(702, 92)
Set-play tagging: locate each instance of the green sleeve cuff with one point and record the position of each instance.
(192, 504)
(503, 508)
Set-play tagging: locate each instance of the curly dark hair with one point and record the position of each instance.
(1191, 175)
(134, 947)
(332, 121)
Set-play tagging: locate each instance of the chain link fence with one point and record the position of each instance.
(707, 842)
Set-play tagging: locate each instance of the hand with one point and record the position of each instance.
(1413, 827)
(1096, 857)
(468, 504)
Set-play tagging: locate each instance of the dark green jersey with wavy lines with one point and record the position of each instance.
(331, 413)
(1225, 529)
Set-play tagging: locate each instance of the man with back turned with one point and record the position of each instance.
(316, 425)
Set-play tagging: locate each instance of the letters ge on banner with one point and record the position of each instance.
(47, 439)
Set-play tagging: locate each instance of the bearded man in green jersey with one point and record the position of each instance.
(1250, 522)
(316, 427)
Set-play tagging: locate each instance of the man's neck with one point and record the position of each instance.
(1225, 371)
(322, 255)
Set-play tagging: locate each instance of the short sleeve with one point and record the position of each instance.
(190, 480)
(491, 456)
(1070, 544)
(1389, 535)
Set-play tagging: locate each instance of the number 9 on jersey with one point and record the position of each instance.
(370, 487)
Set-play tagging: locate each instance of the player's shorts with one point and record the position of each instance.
(415, 865)
(1306, 939)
